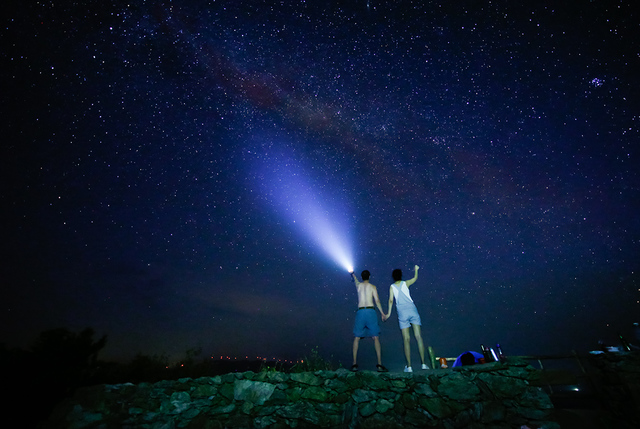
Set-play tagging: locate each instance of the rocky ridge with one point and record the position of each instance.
(483, 396)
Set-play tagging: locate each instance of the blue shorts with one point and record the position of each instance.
(408, 315)
(366, 323)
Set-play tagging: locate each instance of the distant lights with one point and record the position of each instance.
(264, 359)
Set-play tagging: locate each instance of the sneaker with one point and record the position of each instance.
(424, 366)
(408, 369)
(354, 367)
(381, 368)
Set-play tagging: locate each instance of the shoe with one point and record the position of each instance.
(424, 366)
(381, 368)
(354, 367)
(408, 369)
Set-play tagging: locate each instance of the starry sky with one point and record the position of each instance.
(170, 172)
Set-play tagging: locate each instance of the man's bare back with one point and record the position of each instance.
(366, 294)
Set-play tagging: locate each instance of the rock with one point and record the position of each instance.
(329, 408)
(337, 385)
(204, 391)
(458, 388)
(398, 384)
(315, 393)
(246, 407)
(416, 418)
(264, 422)
(535, 397)
(436, 406)
(227, 409)
(367, 408)
(181, 401)
(80, 418)
(227, 390)
(462, 419)
(279, 397)
(373, 381)
(360, 395)
(307, 378)
(424, 389)
(353, 381)
(297, 410)
(342, 372)
(278, 377)
(190, 413)
(503, 387)
(294, 393)
(228, 378)
(256, 392)
(383, 405)
(408, 401)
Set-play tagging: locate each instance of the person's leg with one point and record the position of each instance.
(407, 345)
(418, 335)
(376, 344)
(359, 331)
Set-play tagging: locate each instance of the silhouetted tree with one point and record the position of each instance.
(66, 358)
(58, 362)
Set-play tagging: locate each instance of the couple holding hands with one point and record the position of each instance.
(366, 324)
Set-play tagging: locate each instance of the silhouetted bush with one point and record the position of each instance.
(58, 362)
(313, 362)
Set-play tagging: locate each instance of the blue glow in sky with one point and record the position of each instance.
(308, 207)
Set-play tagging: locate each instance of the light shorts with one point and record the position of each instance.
(366, 324)
(408, 315)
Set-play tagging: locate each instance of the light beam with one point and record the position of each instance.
(295, 197)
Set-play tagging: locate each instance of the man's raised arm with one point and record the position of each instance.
(415, 276)
(355, 279)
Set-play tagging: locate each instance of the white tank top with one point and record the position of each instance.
(404, 297)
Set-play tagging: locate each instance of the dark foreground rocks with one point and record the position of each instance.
(485, 396)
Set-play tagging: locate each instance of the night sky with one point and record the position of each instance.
(170, 169)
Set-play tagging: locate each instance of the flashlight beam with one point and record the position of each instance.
(299, 201)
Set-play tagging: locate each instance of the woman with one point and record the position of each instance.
(407, 314)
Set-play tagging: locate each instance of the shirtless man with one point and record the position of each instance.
(366, 324)
(407, 314)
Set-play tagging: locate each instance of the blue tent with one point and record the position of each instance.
(476, 355)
